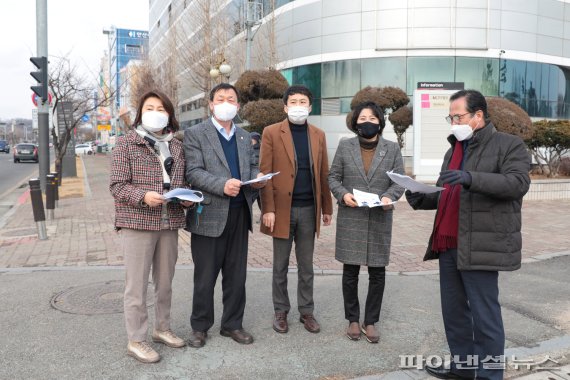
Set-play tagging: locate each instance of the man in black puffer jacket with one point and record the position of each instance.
(476, 233)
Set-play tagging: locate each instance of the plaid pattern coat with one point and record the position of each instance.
(135, 170)
(364, 235)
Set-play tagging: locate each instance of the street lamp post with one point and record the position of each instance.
(220, 70)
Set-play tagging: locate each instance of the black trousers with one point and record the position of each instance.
(228, 254)
(376, 283)
(471, 317)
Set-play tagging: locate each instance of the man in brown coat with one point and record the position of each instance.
(292, 202)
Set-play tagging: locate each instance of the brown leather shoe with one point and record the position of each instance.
(197, 339)
(311, 324)
(371, 333)
(280, 322)
(353, 331)
(241, 336)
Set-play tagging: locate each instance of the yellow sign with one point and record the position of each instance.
(103, 127)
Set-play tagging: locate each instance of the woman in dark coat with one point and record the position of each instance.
(363, 234)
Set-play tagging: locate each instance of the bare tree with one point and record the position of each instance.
(67, 85)
(166, 73)
(549, 143)
(393, 101)
(201, 37)
(265, 41)
(142, 80)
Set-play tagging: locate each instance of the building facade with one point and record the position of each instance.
(125, 45)
(519, 50)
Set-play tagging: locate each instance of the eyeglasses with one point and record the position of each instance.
(455, 118)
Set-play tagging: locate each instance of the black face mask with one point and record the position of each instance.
(367, 129)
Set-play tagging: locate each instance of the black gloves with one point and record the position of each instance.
(414, 199)
(455, 177)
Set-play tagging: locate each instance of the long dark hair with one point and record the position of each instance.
(173, 125)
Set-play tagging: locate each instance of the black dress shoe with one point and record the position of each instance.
(241, 336)
(197, 339)
(444, 373)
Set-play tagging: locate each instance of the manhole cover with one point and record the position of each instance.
(98, 298)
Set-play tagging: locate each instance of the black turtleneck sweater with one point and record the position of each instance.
(303, 189)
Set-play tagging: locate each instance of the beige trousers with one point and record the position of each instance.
(141, 250)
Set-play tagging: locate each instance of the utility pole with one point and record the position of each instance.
(253, 13)
(110, 34)
(43, 103)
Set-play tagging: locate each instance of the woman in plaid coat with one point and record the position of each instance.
(363, 234)
(148, 162)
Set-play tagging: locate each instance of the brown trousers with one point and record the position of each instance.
(141, 250)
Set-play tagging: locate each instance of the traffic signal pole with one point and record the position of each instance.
(43, 105)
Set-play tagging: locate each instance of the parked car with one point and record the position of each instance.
(25, 152)
(4, 147)
(83, 149)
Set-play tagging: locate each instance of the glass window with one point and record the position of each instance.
(384, 72)
(557, 90)
(280, 3)
(481, 74)
(544, 107)
(340, 78)
(345, 105)
(429, 69)
(310, 76)
(530, 87)
(512, 76)
(288, 74)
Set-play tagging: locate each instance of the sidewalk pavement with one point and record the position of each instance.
(61, 307)
(83, 233)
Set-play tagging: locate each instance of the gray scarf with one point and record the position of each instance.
(162, 150)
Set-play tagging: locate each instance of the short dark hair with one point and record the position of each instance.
(173, 125)
(376, 110)
(474, 101)
(223, 86)
(297, 89)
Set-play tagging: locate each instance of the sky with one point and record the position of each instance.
(75, 30)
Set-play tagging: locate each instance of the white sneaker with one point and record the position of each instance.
(142, 351)
(169, 338)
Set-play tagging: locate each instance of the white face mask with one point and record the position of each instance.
(225, 111)
(298, 114)
(154, 121)
(462, 131)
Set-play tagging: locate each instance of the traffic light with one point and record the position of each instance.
(41, 76)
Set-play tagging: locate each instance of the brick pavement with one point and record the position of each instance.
(83, 234)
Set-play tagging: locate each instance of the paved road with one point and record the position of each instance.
(13, 180)
(12, 174)
(39, 341)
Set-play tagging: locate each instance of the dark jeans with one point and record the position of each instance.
(227, 253)
(302, 231)
(376, 282)
(471, 315)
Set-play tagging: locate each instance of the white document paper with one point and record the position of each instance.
(260, 179)
(413, 185)
(364, 199)
(185, 195)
